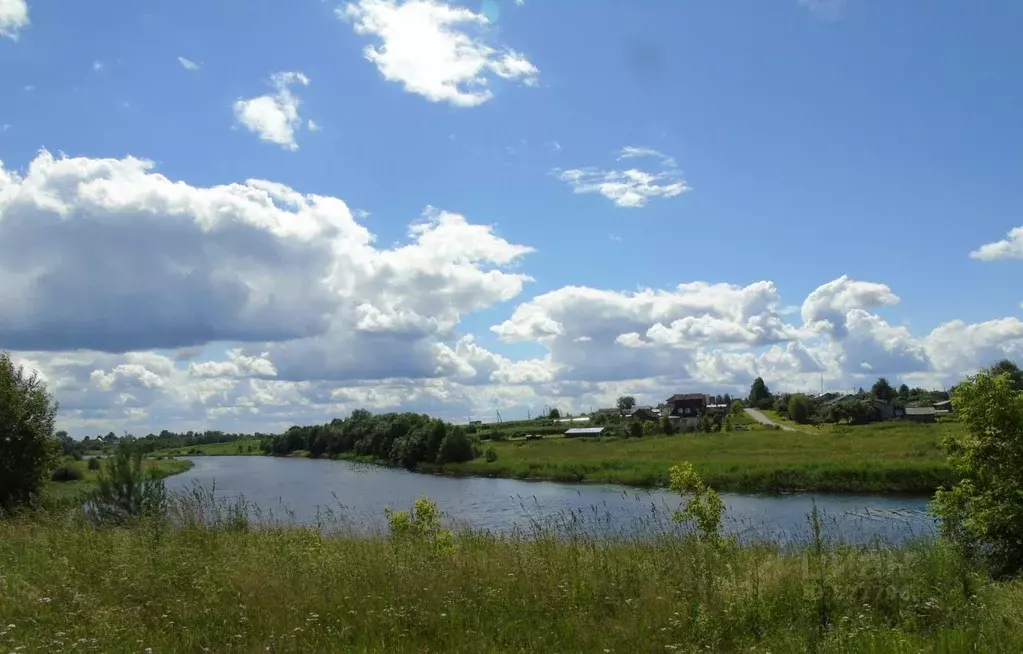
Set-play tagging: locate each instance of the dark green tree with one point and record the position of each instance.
(625, 403)
(554, 414)
(1007, 367)
(28, 449)
(903, 393)
(882, 390)
(456, 448)
(759, 393)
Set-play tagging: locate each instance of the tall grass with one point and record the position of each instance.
(210, 580)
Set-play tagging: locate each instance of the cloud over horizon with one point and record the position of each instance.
(148, 303)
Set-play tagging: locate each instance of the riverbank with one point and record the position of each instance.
(234, 587)
(69, 490)
(895, 457)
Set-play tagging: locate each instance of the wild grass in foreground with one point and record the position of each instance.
(216, 583)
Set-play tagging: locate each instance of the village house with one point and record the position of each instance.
(684, 409)
(645, 413)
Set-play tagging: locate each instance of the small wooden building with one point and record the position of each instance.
(921, 413)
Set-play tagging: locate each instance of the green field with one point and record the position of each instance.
(215, 449)
(891, 457)
(71, 489)
(68, 587)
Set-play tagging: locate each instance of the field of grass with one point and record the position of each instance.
(70, 489)
(68, 586)
(892, 457)
(215, 449)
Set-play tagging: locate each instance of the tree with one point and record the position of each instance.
(626, 403)
(904, 393)
(758, 392)
(882, 390)
(125, 490)
(457, 447)
(28, 449)
(1007, 367)
(554, 414)
(800, 408)
(983, 512)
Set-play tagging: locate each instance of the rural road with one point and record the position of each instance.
(761, 418)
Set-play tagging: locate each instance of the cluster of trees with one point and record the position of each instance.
(150, 442)
(401, 439)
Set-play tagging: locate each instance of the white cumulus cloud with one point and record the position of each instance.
(13, 17)
(105, 254)
(436, 50)
(274, 117)
(632, 187)
(1010, 247)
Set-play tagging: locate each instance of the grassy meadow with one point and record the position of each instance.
(241, 447)
(209, 586)
(890, 457)
(70, 490)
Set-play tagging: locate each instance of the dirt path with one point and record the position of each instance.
(764, 420)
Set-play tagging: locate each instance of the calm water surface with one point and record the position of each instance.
(308, 491)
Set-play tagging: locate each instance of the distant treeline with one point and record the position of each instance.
(152, 442)
(401, 439)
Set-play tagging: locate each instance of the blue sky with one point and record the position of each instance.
(804, 140)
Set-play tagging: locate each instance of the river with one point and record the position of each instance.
(353, 496)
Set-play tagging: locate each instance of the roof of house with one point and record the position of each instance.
(838, 400)
(678, 397)
(920, 411)
(943, 404)
(584, 430)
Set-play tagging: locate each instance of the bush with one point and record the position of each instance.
(76, 455)
(126, 491)
(799, 409)
(93, 464)
(491, 455)
(983, 513)
(636, 429)
(28, 449)
(456, 447)
(65, 474)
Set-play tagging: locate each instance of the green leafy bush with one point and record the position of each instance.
(982, 514)
(93, 464)
(491, 455)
